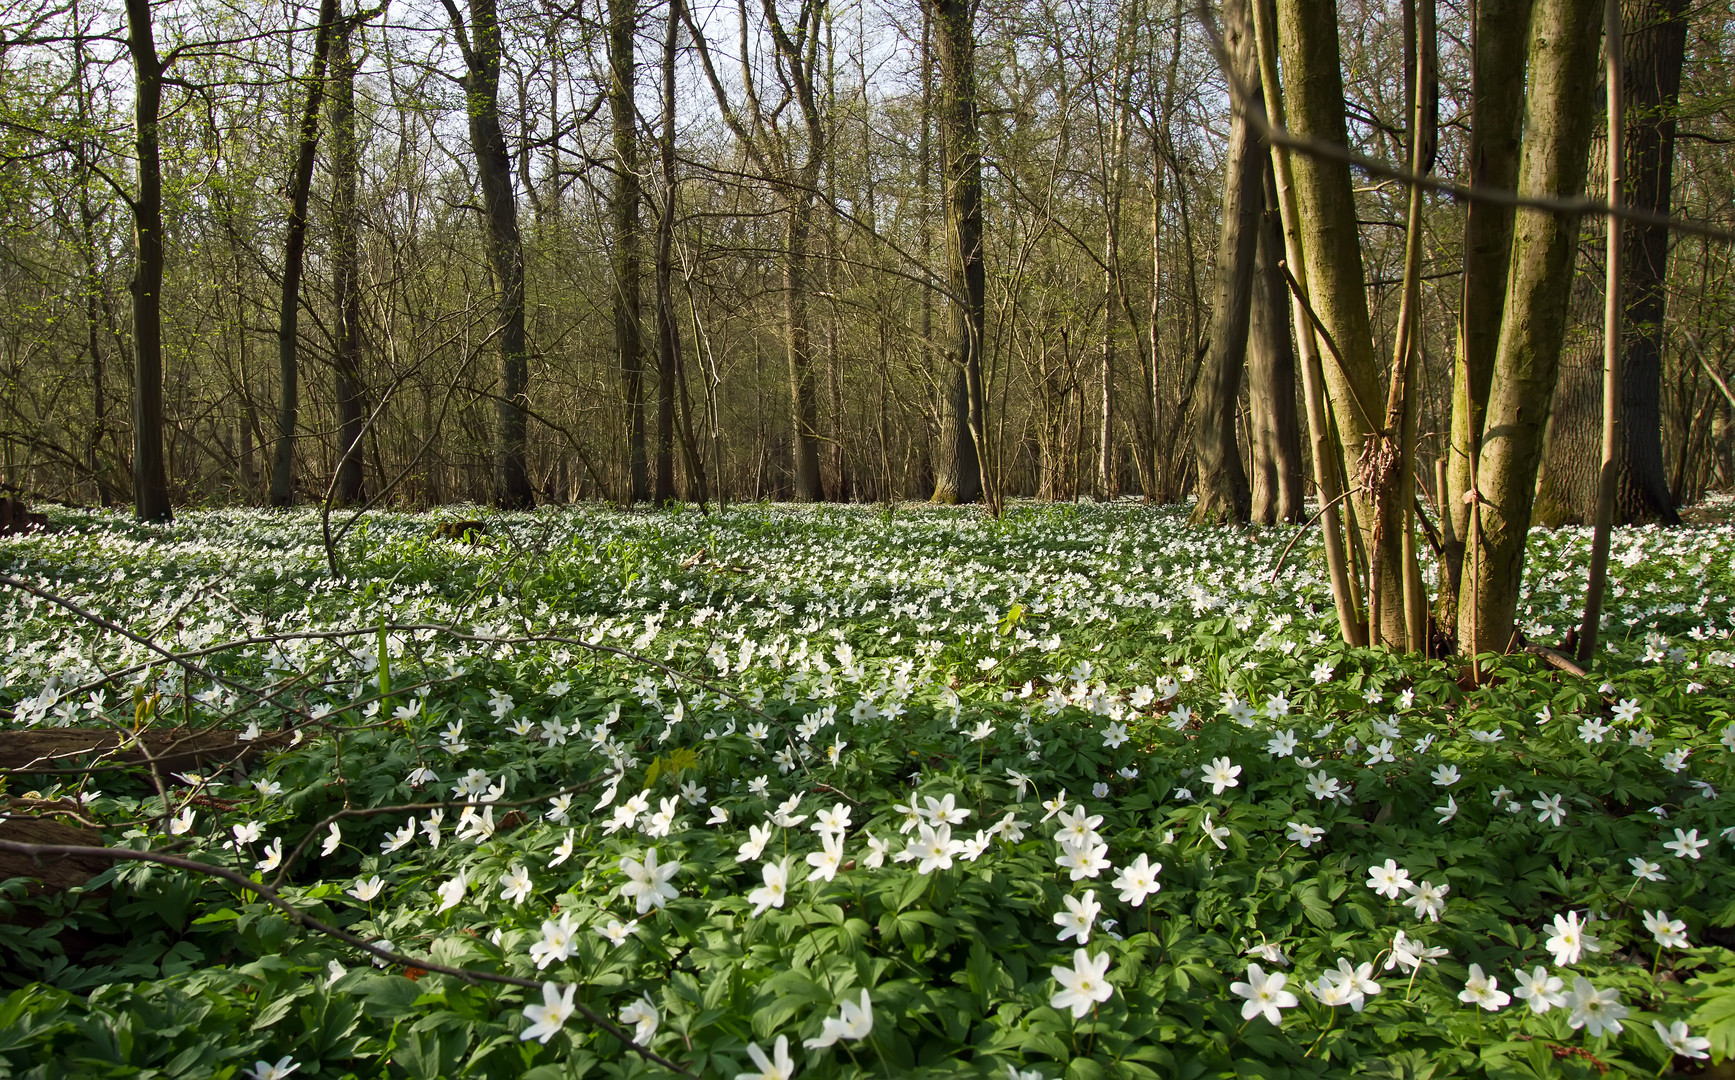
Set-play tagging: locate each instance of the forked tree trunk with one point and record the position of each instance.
(959, 468)
(150, 475)
(1558, 117)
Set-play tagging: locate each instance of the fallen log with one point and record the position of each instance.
(174, 749)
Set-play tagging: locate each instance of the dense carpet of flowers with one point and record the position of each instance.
(826, 791)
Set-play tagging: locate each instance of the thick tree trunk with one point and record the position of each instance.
(1331, 246)
(150, 474)
(628, 333)
(1655, 33)
(1557, 124)
(481, 48)
(294, 259)
(1277, 488)
(962, 427)
(346, 277)
(1223, 492)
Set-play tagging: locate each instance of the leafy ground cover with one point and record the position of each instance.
(829, 791)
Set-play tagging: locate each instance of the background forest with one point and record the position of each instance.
(660, 252)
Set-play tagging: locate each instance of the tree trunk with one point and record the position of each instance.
(628, 333)
(1655, 33)
(1331, 247)
(150, 476)
(803, 398)
(668, 329)
(481, 49)
(1557, 124)
(1277, 487)
(1223, 492)
(958, 471)
(346, 278)
(294, 259)
(1501, 31)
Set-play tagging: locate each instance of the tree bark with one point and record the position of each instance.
(668, 328)
(1224, 496)
(799, 54)
(1331, 247)
(294, 260)
(1655, 33)
(480, 45)
(628, 331)
(1552, 164)
(1277, 487)
(346, 264)
(150, 475)
(958, 472)
(1497, 91)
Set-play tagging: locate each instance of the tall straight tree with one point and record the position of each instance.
(480, 45)
(958, 472)
(1274, 424)
(1223, 492)
(668, 329)
(294, 259)
(150, 474)
(628, 330)
(1654, 34)
(351, 390)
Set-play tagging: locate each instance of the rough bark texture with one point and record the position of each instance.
(1558, 116)
(1223, 492)
(1502, 31)
(959, 467)
(150, 474)
(346, 272)
(628, 335)
(481, 48)
(1655, 34)
(294, 260)
(1331, 245)
(1275, 422)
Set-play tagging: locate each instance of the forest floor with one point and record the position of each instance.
(832, 791)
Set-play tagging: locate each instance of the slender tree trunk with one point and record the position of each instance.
(668, 328)
(1277, 488)
(346, 264)
(628, 333)
(1497, 92)
(1557, 124)
(1223, 492)
(959, 468)
(150, 475)
(803, 398)
(481, 47)
(92, 282)
(294, 259)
